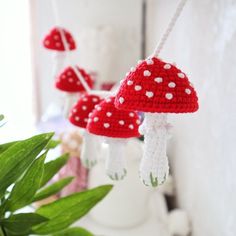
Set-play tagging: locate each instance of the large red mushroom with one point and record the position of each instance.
(116, 126)
(156, 88)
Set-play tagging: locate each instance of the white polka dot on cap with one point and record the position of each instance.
(158, 79)
(188, 91)
(181, 75)
(129, 82)
(167, 66)
(149, 61)
(171, 85)
(149, 94)
(137, 87)
(121, 122)
(131, 126)
(146, 73)
(106, 125)
(169, 96)
(121, 100)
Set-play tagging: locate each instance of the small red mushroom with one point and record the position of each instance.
(156, 88)
(69, 83)
(116, 126)
(79, 117)
(54, 40)
(60, 41)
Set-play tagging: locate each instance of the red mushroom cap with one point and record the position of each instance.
(156, 86)
(80, 112)
(68, 81)
(53, 40)
(107, 120)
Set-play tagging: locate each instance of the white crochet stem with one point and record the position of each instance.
(58, 63)
(90, 149)
(68, 102)
(154, 167)
(170, 27)
(116, 163)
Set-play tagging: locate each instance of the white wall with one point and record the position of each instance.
(203, 146)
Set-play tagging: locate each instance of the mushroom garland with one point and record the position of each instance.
(68, 82)
(116, 126)
(79, 116)
(156, 88)
(55, 42)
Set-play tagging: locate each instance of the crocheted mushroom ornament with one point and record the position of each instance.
(116, 126)
(156, 88)
(79, 116)
(54, 40)
(60, 41)
(69, 83)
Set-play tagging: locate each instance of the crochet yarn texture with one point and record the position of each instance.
(156, 86)
(53, 40)
(107, 120)
(68, 81)
(79, 114)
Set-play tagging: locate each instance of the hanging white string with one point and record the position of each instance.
(66, 46)
(170, 27)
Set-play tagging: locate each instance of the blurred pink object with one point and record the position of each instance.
(74, 168)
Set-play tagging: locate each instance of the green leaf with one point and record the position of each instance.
(1, 117)
(16, 159)
(52, 167)
(5, 146)
(65, 211)
(76, 231)
(52, 144)
(24, 190)
(52, 189)
(22, 223)
(1, 232)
